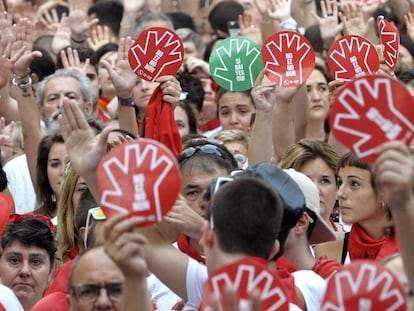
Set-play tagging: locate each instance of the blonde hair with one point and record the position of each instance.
(227, 136)
(66, 236)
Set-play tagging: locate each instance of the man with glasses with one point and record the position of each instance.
(95, 282)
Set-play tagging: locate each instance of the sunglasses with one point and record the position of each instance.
(88, 293)
(98, 215)
(204, 149)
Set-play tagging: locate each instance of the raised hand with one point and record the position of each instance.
(79, 20)
(185, 219)
(328, 24)
(70, 61)
(21, 49)
(84, 149)
(263, 93)
(279, 10)
(409, 22)
(123, 78)
(125, 246)
(250, 30)
(61, 39)
(394, 172)
(6, 23)
(99, 36)
(353, 19)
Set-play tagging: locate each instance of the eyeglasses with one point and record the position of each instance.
(88, 293)
(206, 149)
(97, 214)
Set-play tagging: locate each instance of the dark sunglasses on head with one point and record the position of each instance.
(205, 149)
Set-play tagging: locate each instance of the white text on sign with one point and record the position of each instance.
(390, 129)
(154, 61)
(357, 67)
(290, 68)
(239, 70)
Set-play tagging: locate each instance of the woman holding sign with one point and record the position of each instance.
(361, 204)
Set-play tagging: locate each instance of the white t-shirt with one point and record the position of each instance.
(312, 286)
(164, 298)
(9, 300)
(20, 185)
(196, 278)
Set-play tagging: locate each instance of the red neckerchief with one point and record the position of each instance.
(160, 124)
(325, 267)
(209, 125)
(362, 246)
(333, 224)
(183, 244)
(283, 263)
(103, 114)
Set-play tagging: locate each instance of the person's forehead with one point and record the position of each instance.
(96, 267)
(66, 84)
(18, 248)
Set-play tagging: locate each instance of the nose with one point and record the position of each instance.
(144, 85)
(233, 118)
(340, 194)
(24, 269)
(102, 301)
(314, 94)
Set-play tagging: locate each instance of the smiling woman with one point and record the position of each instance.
(26, 262)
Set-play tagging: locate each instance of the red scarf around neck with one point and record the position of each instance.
(362, 246)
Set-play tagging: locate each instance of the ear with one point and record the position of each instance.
(275, 249)
(88, 108)
(208, 235)
(302, 225)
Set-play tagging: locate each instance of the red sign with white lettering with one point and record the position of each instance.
(364, 285)
(288, 57)
(156, 52)
(244, 277)
(140, 178)
(390, 39)
(352, 56)
(372, 110)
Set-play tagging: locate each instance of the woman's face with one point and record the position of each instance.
(318, 96)
(356, 197)
(181, 120)
(26, 270)
(56, 166)
(324, 178)
(235, 111)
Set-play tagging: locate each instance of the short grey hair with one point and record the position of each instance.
(187, 34)
(84, 82)
(150, 17)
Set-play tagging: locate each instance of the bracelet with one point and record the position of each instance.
(20, 78)
(22, 85)
(127, 102)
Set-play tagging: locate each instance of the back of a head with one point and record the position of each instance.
(246, 214)
(109, 14)
(222, 13)
(290, 193)
(193, 88)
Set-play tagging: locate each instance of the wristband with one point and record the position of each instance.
(289, 24)
(127, 102)
(22, 85)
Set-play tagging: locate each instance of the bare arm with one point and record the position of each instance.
(23, 93)
(394, 171)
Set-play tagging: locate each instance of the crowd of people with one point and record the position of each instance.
(264, 183)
